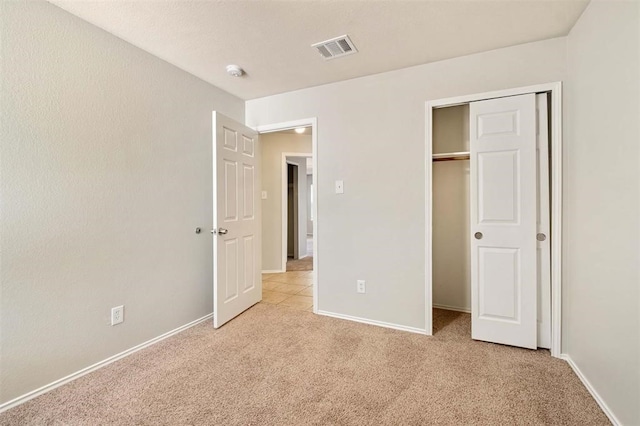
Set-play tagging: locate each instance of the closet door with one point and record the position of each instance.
(503, 220)
(544, 225)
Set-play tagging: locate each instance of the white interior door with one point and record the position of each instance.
(543, 225)
(503, 220)
(237, 283)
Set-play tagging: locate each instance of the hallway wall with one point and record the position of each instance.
(273, 145)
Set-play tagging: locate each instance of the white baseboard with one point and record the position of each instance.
(373, 322)
(452, 308)
(273, 271)
(591, 390)
(46, 388)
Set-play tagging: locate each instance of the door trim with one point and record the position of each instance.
(555, 88)
(287, 125)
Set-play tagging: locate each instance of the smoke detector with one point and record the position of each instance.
(234, 70)
(336, 47)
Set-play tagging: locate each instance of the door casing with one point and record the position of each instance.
(555, 88)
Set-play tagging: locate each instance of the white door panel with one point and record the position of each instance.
(498, 297)
(503, 220)
(230, 268)
(543, 224)
(498, 187)
(236, 248)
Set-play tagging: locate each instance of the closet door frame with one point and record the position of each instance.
(555, 89)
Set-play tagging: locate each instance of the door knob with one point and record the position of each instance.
(541, 237)
(478, 235)
(222, 231)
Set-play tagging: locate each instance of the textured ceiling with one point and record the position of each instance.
(271, 39)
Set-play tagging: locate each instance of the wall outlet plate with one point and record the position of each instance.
(117, 315)
(361, 286)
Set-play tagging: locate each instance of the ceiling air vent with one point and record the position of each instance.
(336, 47)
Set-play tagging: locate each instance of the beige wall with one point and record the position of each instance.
(371, 135)
(106, 171)
(273, 145)
(451, 210)
(602, 203)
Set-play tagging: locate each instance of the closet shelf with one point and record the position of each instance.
(450, 156)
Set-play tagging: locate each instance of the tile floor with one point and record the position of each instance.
(292, 289)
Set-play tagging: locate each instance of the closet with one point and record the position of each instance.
(490, 204)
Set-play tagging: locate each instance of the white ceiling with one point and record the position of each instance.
(271, 39)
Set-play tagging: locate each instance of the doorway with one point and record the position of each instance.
(299, 213)
(289, 212)
(554, 89)
(293, 230)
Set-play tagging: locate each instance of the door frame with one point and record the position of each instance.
(555, 88)
(287, 125)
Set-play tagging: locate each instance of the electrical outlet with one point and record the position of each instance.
(117, 315)
(361, 286)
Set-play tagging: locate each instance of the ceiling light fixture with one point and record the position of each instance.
(235, 70)
(300, 130)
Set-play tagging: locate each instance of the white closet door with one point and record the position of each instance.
(503, 221)
(543, 225)
(237, 283)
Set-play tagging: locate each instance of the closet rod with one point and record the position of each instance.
(451, 156)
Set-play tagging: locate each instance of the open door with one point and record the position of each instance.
(293, 249)
(237, 263)
(503, 221)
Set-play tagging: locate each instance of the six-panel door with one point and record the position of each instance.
(503, 220)
(237, 264)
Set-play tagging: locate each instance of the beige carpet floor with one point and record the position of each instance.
(278, 366)
(304, 264)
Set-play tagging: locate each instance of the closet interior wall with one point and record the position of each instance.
(451, 245)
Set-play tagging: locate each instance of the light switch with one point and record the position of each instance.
(339, 187)
(264, 195)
